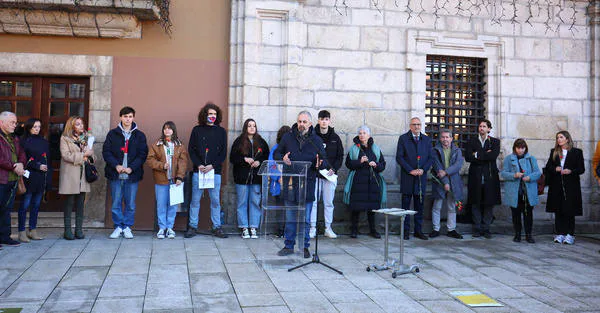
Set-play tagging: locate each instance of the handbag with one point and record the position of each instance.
(91, 174)
(21, 189)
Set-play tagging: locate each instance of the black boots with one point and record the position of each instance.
(67, 215)
(79, 223)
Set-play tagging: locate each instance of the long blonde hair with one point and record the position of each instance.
(69, 130)
(557, 149)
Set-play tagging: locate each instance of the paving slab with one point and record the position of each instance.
(207, 274)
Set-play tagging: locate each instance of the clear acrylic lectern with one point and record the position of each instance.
(283, 201)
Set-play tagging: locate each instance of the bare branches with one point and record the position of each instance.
(515, 12)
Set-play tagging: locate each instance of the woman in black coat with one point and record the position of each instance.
(365, 187)
(37, 150)
(562, 171)
(248, 151)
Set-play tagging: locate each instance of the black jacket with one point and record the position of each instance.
(556, 203)
(303, 148)
(333, 147)
(242, 173)
(208, 145)
(365, 193)
(484, 165)
(112, 151)
(37, 151)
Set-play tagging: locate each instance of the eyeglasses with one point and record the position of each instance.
(415, 124)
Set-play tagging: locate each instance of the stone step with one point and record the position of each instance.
(51, 220)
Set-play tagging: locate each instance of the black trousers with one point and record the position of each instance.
(370, 217)
(565, 224)
(527, 211)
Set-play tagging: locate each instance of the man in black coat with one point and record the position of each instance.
(301, 144)
(335, 156)
(484, 182)
(208, 150)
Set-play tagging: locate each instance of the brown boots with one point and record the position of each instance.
(33, 235)
(23, 237)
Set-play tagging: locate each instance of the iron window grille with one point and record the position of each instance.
(455, 96)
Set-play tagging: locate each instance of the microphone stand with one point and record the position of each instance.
(315, 257)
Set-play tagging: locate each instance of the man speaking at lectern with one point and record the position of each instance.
(301, 144)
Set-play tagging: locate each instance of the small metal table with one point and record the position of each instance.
(398, 265)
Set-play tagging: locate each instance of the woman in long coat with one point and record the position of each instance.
(365, 188)
(72, 182)
(40, 177)
(562, 171)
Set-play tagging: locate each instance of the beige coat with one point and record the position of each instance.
(72, 174)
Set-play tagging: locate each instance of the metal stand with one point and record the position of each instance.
(398, 266)
(315, 257)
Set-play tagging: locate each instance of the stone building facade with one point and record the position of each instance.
(366, 63)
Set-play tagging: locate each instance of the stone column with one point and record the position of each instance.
(594, 14)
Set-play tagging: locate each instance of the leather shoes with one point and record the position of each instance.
(434, 233)
(421, 236)
(517, 238)
(306, 253)
(529, 239)
(285, 251)
(476, 234)
(406, 236)
(488, 235)
(375, 234)
(454, 234)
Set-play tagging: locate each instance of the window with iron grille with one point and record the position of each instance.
(455, 96)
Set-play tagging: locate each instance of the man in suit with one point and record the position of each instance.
(413, 154)
(484, 182)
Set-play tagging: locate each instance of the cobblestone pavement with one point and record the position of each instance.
(206, 274)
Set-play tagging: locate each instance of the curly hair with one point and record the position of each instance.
(204, 114)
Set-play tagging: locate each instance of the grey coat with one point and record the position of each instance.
(453, 177)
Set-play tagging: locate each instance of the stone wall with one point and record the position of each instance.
(367, 66)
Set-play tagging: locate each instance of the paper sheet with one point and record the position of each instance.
(333, 178)
(175, 194)
(90, 142)
(206, 180)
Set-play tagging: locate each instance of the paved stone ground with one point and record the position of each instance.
(206, 274)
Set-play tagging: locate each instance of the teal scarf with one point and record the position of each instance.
(353, 155)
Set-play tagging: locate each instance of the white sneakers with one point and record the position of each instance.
(559, 238)
(116, 233)
(568, 239)
(253, 234)
(127, 233)
(170, 233)
(329, 233)
(245, 233)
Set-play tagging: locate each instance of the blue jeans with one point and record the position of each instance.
(123, 190)
(290, 226)
(248, 205)
(34, 199)
(417, 206)
(7, 198)
(165, 213)
(215, 202)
